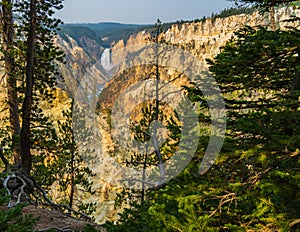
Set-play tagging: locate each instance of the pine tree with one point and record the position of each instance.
(33, 67)
(37, 48)
(73, 175)
(8, 36)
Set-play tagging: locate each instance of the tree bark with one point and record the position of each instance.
(4, 160)
(272, 17)
(157, 81)
(72, 191)
(27, 104)
(295, 88)
(10, 74)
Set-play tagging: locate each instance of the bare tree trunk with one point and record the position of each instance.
(272, 17)
(144, 176)
(12, 97)
(157, 81)
(295, 88)
(4, 160)
(72, 181)
(27, 104)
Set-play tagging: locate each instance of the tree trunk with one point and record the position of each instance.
(9, 63)
(296, 88)
(272, 17)
(144, 176)
(157, 81)
(27, 104)
(72, 191)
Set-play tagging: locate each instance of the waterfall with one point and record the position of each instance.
(106, 59)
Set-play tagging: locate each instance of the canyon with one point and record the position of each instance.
(95, 63)
(93, 74)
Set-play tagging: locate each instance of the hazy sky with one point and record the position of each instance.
(138, 11)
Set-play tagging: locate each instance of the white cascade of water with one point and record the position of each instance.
(106, 59)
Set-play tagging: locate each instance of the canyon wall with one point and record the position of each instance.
(201, 39)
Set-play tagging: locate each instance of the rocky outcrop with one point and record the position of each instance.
(82, 61)
(204, 39)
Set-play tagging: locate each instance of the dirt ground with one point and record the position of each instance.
(56, 220)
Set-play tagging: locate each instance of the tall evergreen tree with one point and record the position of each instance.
(8, 38)
(27, 103)
(32, 74)
(72, 174)
(30, 67)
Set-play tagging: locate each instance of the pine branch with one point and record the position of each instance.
(52, 204)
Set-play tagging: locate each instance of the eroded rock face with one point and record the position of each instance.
(202, 40)
(82, 61)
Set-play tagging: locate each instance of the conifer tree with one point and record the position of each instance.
(33, 72)
(73, 175)
(8, 38)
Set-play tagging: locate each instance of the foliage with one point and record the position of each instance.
(47, 144)
(43, 135)
(89, 228)
(62, 164)
(261, 88)
(45, 72)
(265, 4)
(12, 220)
(70, 167)
(233, 11)
(51, 147)
(46, 56)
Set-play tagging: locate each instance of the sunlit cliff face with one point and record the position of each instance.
(201, 39)
(90, 60)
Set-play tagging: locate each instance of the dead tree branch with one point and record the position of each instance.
(4, 160)
(295, 222)
(56, 229)
(22, 187)
(230, 197)
(20, 190)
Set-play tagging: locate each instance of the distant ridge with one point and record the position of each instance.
(109, 25)
(105, 32)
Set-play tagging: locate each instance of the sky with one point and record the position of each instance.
(138, 11)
